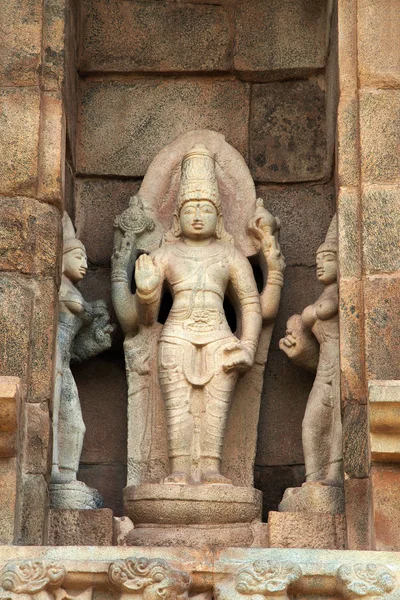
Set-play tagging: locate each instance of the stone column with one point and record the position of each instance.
(31, 132)
(369, 220)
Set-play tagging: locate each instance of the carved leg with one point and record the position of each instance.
(71, 430)
(317, 431)
(218, 395)
(335, 471)
(176, 391)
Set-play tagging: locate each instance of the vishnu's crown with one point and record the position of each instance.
(198, 178)
(70, 241)
(331, 240)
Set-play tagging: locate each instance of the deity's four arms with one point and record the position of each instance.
(312, 342)
(199, 358)
(84, 331)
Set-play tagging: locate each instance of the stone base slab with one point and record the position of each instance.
(306, 530)
(196, 536)
(80, 527)
(75, 495)
(313, 498)
(171, 504)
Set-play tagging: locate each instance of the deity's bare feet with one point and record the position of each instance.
(214, 477)
(179, 477)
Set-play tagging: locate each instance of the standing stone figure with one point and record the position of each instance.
(84, 331)
(312, 342)
(195, 369)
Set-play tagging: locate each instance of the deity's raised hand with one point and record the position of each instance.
(124, 258)
(147, 275)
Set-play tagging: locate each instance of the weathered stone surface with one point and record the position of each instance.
(80, 527)
(35, 458)
(285, 393)
(98, 380)
(51, 148)
(16, 301)
(288, 132)
(384, 420)
(382, 326)
(381, 226)
(313, 497)
(305, 213)
(53, 43)
(358, 513)
(304, 530)
(385, 482)
(197, 536)
(19, 130)
(348, 203)
(149, 114)
(109, 480)
(29, 236)
(273, 481)
(32, 510)
(279, 38)
(98, 202)
(21, 43)
(188, 37)
(8, 496)
(9, 415)
(356, 460)
(347, 140)
(379, 126)
(378, 56)
(44, 325)
(351, 350)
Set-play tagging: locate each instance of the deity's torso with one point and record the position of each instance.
(323, 320)
(197, 277)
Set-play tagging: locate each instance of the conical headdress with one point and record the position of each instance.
(331, 240)
(70, 241)
(198, 178)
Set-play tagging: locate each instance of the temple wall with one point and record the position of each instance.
(261, 73)
(32, 142)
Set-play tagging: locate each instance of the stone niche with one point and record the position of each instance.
(274, 102)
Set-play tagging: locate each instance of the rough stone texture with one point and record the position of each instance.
(8, 496)
(149, 114)
(29, 234)
(103, 394)
(80, 527)
(305, 213)
(382, 326)
(381, 228)
(384, 421)
(304, 530)
(385, 481)
(288, 132)
(32, 509)
(358, 520)
(54, 46)
(313, 497)
(19, 128)
(347, 140)
(16, 301)
(98, 202)
(356, 459)
(279, 38)
(351, 353)
(378, 58)
(110, 480)
(349, 235)
(51, 148)
(273, 481)
(21, 43)
(188, 37)
(379, 126)
(36, 446)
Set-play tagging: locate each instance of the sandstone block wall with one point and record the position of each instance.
(368, 207)
(31, 124)
(261, 73)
